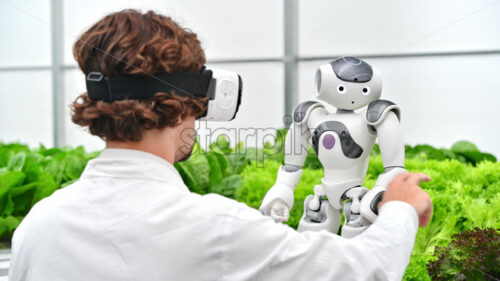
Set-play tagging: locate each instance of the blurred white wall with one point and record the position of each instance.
(227, 29)
(444, 98)
(26, 107)
(25, 95)
(25, 33)
(393, 26)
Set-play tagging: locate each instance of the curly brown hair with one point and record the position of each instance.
(131, 43)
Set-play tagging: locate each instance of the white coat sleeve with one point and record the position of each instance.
(256, 248)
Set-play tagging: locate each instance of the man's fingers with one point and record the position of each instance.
(427, 208)
(426, 216)
(417, 178)
(402, 176)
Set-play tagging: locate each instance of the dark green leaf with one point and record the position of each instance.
(7, 226)
(45, 186)
(216, 175)
(187, 177)
(228, 186)
(462, 146)
(7, 182)
(16, 163)
(22, 197)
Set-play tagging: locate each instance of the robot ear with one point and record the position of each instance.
(317, 80)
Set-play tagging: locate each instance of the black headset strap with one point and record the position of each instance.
(111, 89)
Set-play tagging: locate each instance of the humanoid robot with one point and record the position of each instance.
(342, 141)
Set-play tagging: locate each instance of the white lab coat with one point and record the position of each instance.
(130, 217)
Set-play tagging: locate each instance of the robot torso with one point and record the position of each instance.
(342, 142)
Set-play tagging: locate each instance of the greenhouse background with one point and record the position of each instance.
(440, 62)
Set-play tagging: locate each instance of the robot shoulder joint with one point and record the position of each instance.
(303, 110)
(377, 111)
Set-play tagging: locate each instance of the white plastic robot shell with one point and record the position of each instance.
(282, 190)
(341, 165)
(302, 111)
(344, 94)
(390, 140)
(224, 102)
(382, 115)
(342, 141)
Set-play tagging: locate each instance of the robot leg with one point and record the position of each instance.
(319, 214)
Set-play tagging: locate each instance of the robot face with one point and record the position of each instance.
(348, 83)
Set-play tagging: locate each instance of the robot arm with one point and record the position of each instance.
(383, 117)
(297, 139)
(279, 199)
(390, 140)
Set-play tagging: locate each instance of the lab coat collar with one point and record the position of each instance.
(133, 164)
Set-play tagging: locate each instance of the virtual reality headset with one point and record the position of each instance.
(222, 87)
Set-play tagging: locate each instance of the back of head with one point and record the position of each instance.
(132, 43)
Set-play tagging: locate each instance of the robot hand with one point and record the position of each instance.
(278, 202)
(369, 202)
(352, 207)
(355, 223)
(279, 199)
(279, 211)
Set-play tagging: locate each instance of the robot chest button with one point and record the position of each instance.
(328, 141)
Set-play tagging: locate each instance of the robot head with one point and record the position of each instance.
(348, 83)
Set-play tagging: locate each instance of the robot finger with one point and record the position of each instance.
(279, 214)
(314, 204)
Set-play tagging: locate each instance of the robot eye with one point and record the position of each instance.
(341, 89)
(366, 91)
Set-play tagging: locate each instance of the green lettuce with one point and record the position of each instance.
(465, 186)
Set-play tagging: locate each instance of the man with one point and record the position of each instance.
(130, 216)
